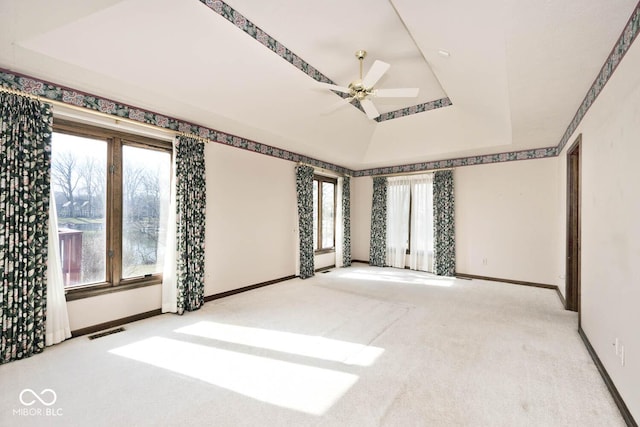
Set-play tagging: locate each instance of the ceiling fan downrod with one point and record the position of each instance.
(358, 91)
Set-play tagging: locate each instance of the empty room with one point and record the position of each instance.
(287, 213)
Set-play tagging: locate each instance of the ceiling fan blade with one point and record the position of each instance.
(369, 108)
(407, 92)
(376, 71)
(334, 87)
(341, 103)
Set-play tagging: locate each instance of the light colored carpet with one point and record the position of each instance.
(359, 346)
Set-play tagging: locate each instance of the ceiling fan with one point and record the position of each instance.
(363, 89)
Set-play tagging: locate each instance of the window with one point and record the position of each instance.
(112, 195)
(324, 213)
(410, 221)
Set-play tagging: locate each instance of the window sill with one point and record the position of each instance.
(324, 251)
(103, 289)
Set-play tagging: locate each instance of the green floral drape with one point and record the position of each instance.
(444, 224)
(25, 163)
(378, 240)
(346, 222)
(190, 223)
(304, 190)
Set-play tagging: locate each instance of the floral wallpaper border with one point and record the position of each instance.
(69, 96)
(46, 90)
(538, 153)
(414, 109)
(240, 21)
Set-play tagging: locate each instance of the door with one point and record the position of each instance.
(572, 290)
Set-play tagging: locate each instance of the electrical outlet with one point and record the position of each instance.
(484, 261)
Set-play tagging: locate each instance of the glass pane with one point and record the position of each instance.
(328, 213)
(78, 177)
(315, 214)
(145, 200)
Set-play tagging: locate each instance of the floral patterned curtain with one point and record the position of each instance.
(190, 223)
(378, 241)
(25, 163)
(346, 222)
(304, 190)
(444, 224)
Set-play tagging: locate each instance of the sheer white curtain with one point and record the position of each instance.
(169, 285)
(57, 323)
(421, 254)
(398, 191)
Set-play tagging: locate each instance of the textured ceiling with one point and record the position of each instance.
(516, 74)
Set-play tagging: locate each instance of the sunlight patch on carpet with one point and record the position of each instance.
(401, 276)
(302, 388)
(317, 347)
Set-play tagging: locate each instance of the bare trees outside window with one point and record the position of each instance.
(145, 201)
(78, 177)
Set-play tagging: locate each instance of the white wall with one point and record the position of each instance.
(250, 233)
(324, 260)
(561, 224)
(610, 262)
(361, 198)
(505, 220)
(251, 218)
(105, 308)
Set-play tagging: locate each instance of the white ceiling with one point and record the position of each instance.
(516, 73)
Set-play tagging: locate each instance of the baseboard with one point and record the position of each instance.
(321, 269)
(562, 300)
(624, 411)
(497, 279)
(113, 323)
(360, 261)
(247, 288)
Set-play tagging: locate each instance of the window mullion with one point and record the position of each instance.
(114, 206)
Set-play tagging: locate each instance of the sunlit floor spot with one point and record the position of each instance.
(303, 388)
(400, 277)
(299, 344)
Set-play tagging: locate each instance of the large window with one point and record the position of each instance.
(112, 196)
(324, 213)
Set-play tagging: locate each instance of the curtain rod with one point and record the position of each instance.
(193, 136)
(414, 173)
(318, 168)
(89, 111)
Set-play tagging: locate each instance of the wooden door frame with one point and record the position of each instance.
(574, 205)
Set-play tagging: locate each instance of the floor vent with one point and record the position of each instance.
(326, 271)
(105, 333)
